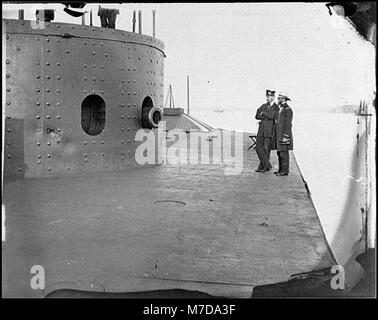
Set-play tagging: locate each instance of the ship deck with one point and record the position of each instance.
(172, 226)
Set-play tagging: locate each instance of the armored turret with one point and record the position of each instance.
(75, 97)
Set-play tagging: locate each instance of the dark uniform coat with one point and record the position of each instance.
(268, 118)
(284, 124)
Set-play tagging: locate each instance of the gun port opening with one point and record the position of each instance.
(93, 115)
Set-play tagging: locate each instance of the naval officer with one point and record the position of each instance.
(284, 135)
(267, 114)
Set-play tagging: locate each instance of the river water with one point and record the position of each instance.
(325, 147)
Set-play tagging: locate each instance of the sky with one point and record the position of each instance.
(233, 52)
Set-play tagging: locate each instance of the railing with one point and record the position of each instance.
(48, 15)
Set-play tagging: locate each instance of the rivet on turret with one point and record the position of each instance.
(122, 93)
(8, 102)
(48, 117)
(85, 91)
(49, 169)
(93, 53)
(8, 75)
(106, 55)
(47, 63)
(7, 37)
(38, 117)
(47, 50)
(58, 104)
(9, 156)
(85, 43)
(122, 141)
(122, 117)
(134, 116)
(58, 90)
(102, 142)
(49, 156)
(93, 142)
(85, 78)
(122, 105)
(49, 143)
(7, 61)
(85, 142)
(85, 66)
(67, 51)
(38, 144)
(58, 77)
(18, 48)
(37, 76)
(47, 90)
(58, 64)
(39, 161)
(8, 89)
(19, 170)
(48, 77)
(58, 117)
(94, 79)
(47, 103)
(37, 103)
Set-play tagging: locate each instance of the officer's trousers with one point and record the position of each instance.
(263, 152)
(108, 17)
(283, 161)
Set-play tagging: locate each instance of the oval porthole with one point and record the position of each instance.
(151, 116)
(93, 115)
